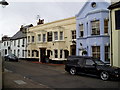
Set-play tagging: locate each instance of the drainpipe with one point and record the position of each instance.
(111, 54)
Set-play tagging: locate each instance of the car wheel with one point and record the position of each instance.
(73, 71)
(104, 75)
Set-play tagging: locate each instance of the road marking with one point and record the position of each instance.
(20, 82)
(6, 70)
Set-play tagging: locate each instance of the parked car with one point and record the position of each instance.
(91, 66)
(11, 57)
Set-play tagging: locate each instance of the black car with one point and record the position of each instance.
(91, 66)
(11, 57)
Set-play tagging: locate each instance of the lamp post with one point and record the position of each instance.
(4, 3)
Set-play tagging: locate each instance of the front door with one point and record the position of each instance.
(42, 54)
(73, 49)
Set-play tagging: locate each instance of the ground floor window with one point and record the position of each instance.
(18, 52)
(32, 53)
(66, 52)
(28, 53)
(22, 53)
(96, 51)
(56, 53)
(37, 54)
(5, 51)
(107, 53)
(61, 53)
(15, 52)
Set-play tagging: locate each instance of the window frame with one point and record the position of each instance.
(55, 36)
(73, 34)
(96, 53)
(81, 30)
(61, 35)
(95, 27)
(56, 53)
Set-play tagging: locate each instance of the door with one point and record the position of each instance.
(73, 49)
(90, 67)
(42, 54)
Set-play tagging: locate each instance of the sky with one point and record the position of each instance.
(25, 12)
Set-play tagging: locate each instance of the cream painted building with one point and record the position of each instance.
(115, 33)
(56, 39)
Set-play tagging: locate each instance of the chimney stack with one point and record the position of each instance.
(40, 22)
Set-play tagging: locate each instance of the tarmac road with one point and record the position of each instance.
(52, 76)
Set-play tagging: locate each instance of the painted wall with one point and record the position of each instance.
(85, 16)
(19, 47)
(115, 41)
(65, 25)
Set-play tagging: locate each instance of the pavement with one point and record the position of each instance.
(13, 80)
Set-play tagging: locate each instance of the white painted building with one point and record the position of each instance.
(5, 45)
(19, 42)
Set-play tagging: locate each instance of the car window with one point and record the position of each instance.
(99, 62)
(89, 62)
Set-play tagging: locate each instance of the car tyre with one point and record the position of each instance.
(73, 71)
(104, 75)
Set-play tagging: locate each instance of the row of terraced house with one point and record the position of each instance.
(88, 33)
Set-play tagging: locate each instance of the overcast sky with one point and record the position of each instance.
(24, 12)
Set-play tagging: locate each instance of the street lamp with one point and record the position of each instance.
(4, 3)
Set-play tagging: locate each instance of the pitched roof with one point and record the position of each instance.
(19, 35)
(115, 5)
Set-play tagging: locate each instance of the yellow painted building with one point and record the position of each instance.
(115, 33)
(56, 39)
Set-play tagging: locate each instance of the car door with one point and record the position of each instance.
(90, 67)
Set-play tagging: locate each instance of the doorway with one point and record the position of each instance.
(42, 54)
(73, 49)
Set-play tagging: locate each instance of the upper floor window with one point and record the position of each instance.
(117, 20)
(4, 43)
(95, 27)
(81, 30)
(39, 37)
(7, 43)
(18, 42)
(49, 36)
(61, 35)
(23, 41)
(55, 35)
(28, 38)
(44, 37)
(106, 26)
(33, 38)
(73, 34)
(14, 42)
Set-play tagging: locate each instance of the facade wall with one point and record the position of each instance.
(4, 47)
(88, 40)
(19, 48)
(115, 42)
(66, 26)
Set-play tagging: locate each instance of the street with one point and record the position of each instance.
(37, 75)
